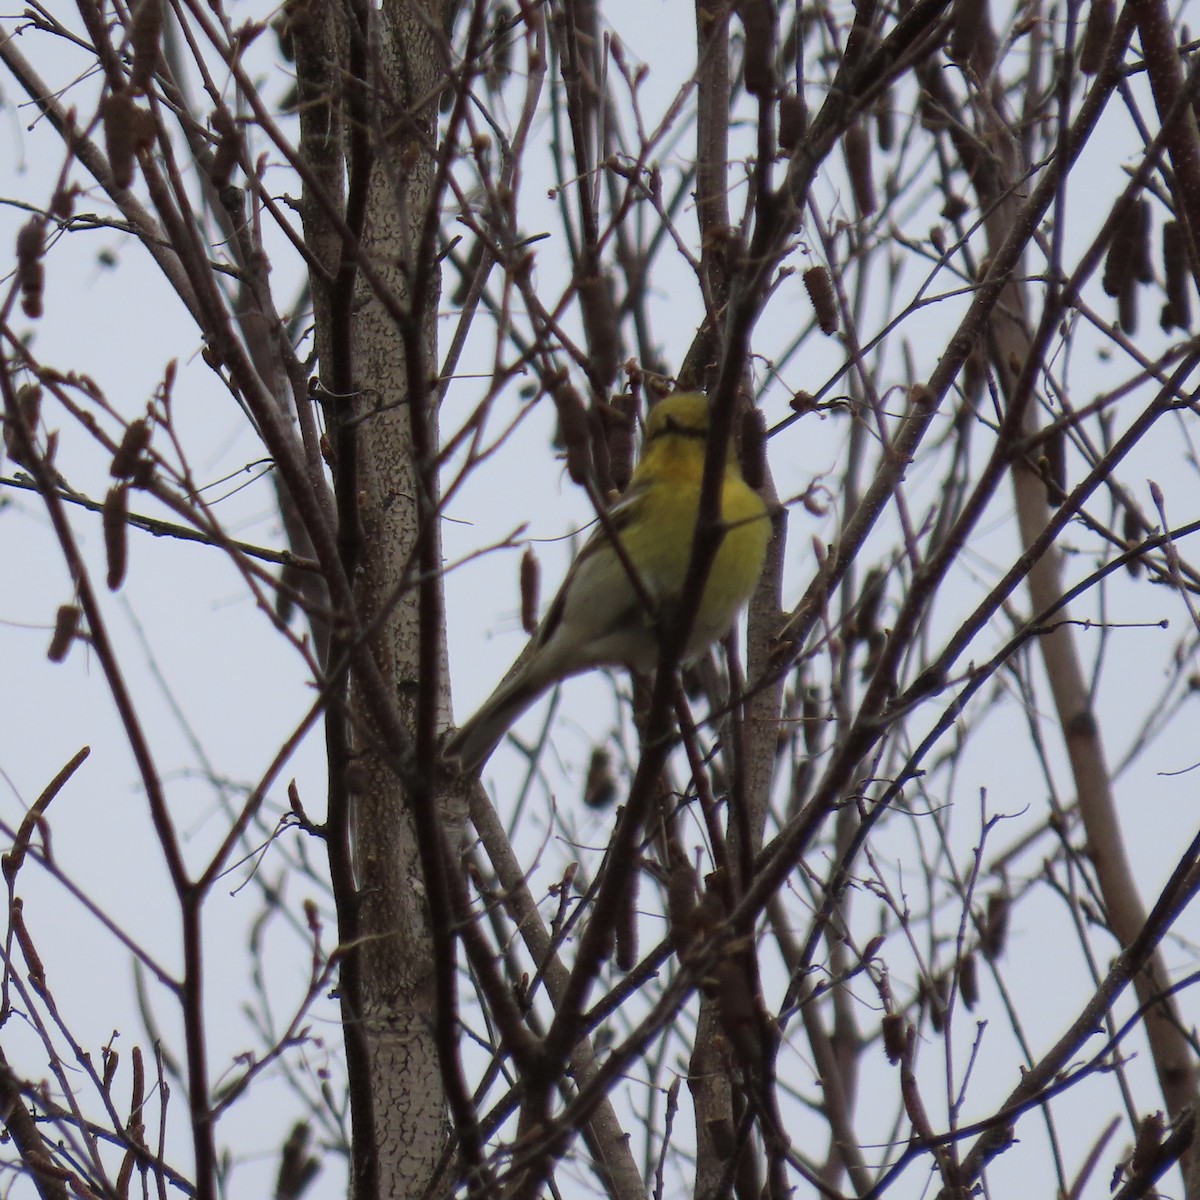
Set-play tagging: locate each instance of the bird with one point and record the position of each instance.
(600, 618)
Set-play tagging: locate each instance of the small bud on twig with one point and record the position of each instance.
(1177, 312)
(66, 625)
(20, 432)
(894, 1036)
(229, 148)
(1054, 466)
(758, 64)
(145, 30)
(885, 121)
(1102, 18)
(968, 981)
(598, 307)
(1133, 530)
(119, 114)
(1143, 226)
(115, 541)
(133, 443)
(793, 121)
(856, 147)
(870, 601)
(820, 291)
(37, 972)
(573, 432)
(994, 931)
(1119, 260)
(620, 440)
(969, 17)
(530, 581)
(600, 786)
(681, 905)
(31, 274)
(1149, 1138)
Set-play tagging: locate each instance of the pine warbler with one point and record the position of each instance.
(598, 618)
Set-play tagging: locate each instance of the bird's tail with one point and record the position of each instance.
(472, 744)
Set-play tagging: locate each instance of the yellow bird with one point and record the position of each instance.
(598, 618)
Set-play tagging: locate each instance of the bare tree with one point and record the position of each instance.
(889, 892)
